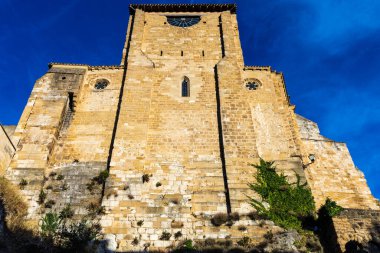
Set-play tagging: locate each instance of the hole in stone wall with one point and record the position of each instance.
(63, 77)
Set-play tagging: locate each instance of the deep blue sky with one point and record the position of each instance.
(328, 50)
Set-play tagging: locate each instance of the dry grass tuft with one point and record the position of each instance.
(14, 206)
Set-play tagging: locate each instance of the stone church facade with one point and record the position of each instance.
(177, 125)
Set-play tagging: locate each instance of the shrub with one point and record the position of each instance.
(165, 236)
(308, 242)
(185, 246)
(60, 177)
(102, 177)
(91, 186)
(219, 219)
(158, 184)
(130, 196)
(50, 203)
(94, 208)
(210, 242)
(235, 216)
(140, 223)
(188, 244)
(66, 212)
(23, 183)
(331, 208)
(254, 215)
(41, 197)
(49, 187)
(53, 235)
(244, 242)
(126, 187)
(242, 228)
(135, 241)
(145, 178)
(177, 235)
(50, 224)
(269, 235)
(288, 204)
(77, 235)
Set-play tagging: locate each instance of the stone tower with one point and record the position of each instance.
(176, 124)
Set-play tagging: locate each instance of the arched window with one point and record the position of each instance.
(186, 87)
(183, 21)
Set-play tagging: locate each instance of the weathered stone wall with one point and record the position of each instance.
(256, 123)
(171, 139)
(6, 150)
(10, 130)
(60, 149)
(36, 134)
(82, 148)
(354, 226)
(175, 140)
(333, 174)
(174, 161)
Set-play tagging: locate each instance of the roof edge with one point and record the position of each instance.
(90, 67)
(183, 7)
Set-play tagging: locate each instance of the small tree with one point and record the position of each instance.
(286, 204)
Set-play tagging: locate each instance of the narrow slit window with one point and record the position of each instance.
(161, 53)
(186, 87)
(203, 53)
(181, 53)
(71, 101)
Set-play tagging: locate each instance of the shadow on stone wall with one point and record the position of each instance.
(372, 246)
(326, 232)
(370, 243)
(353, 231)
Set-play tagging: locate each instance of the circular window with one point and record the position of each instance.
(101, 84)
(252, 84)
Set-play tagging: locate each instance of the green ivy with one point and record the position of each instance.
(284, 203)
